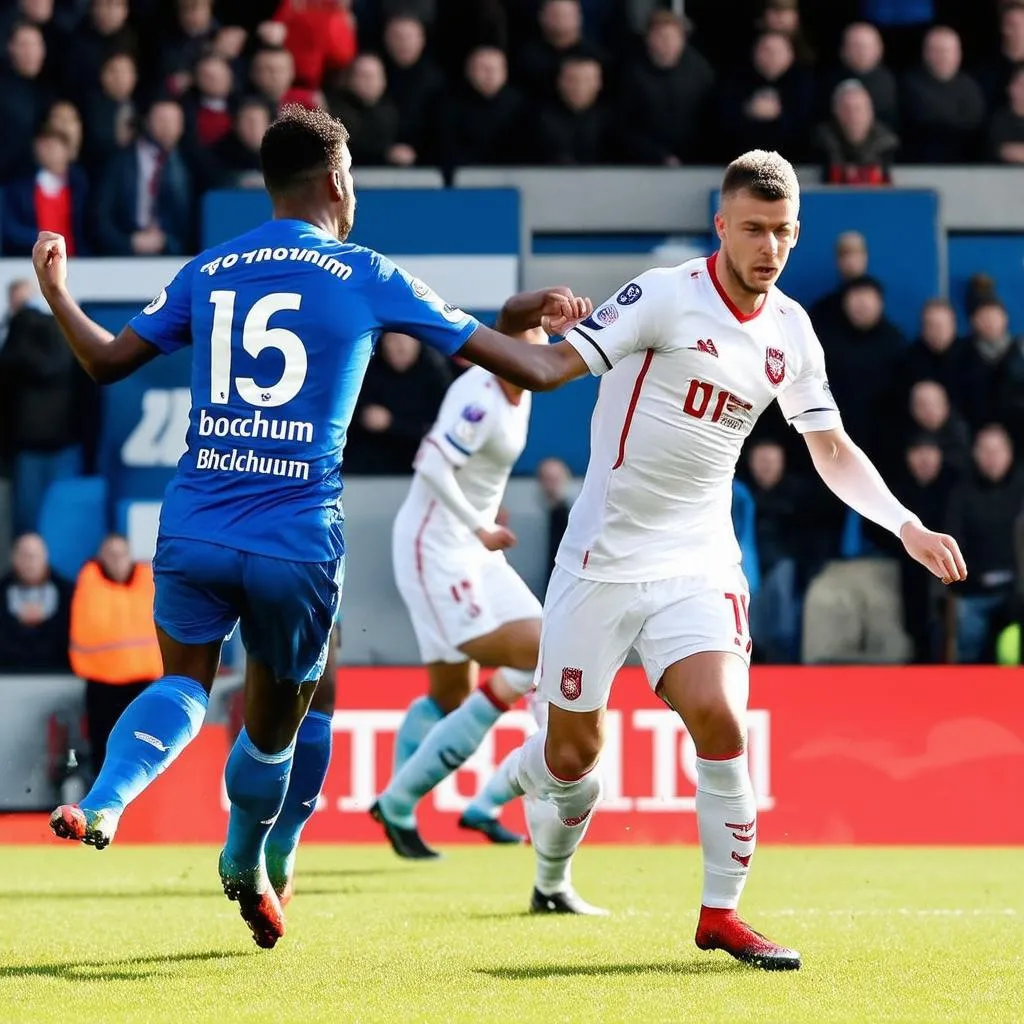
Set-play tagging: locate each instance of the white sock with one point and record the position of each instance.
(558, 813)
(726, 817)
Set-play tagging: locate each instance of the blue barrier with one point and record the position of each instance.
(1000, 256)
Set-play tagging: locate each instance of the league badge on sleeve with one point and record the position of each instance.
(466, 429)
(775, 366)
(419, 289)
(630, 294)
(606, 316)
(157, 303)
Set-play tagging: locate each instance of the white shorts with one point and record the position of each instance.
(453, 599)
(589, 627)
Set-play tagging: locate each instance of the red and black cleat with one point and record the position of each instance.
(94, 828)
(257, 902)
(725, 930)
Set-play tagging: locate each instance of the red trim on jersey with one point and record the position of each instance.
(586, 557)
(419, 568)
(485, 689)
(634, 398)
(724, 295)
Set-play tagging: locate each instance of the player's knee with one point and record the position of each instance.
(571, 757)
(715, 727)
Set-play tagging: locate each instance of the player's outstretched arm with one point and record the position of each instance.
(103, 356)
(851, 477)
(534, 367)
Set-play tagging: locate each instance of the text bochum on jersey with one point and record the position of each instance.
(282, 322)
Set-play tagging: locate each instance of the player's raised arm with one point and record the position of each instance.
(851, 477)
(105, 357)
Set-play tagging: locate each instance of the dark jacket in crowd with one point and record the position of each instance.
(945, 368)
(864, 163)
(372, 130)
(413, 398)
(789, 133)
(20, 225)
(538, 64)
(785, 523)
(663, 112)
(479, 131)
(416, 92)
(942, 122)
(23, 105)
(572, 137)
(39, 647)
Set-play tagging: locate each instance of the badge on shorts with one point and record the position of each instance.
(572, 683)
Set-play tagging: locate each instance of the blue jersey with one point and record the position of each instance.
(282, 322)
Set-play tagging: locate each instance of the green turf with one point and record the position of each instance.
(141, 935)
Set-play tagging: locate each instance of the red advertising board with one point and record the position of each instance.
(837, 755)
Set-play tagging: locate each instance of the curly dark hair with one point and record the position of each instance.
(298, 145)
(767, 175)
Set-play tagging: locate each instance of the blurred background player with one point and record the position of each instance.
(251, 528)
(693, 355)
(467, 604)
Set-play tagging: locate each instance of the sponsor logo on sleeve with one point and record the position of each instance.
(452, 313)
(419, 289)
(157, 303)
(630, 294)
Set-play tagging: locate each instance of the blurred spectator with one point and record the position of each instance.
(1006, 130)
(65, 119)
(39, 13)
(234, 161)
(938, 354)
(860, 58)
(195, 29)
(983, 511)
(555, 481)
(903, 23)
(368, 114)
(321, 35)
(784, 16)
(782, 524)
(86, 48)
(144, 200)
(863, 353)
(851, 263)
(930, 413)
(43, 402)
(273, 77)
(403, 390)
(768, 105)
(573, 129)
(483, 121)
(113, 644)
(24, 100)
(53, 199)
(1008, 392)
(943, 109)
(110, 113)
(990, 344)
(207, 104)
(664, 98)
(924, 484)
(994, 76)
(415, 84)
(561, 36)
(857, 149)
(34, 610)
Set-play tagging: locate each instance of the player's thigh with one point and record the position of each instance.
(695, 647)
(512, 605)
(198, 594)
(289, 614)
(450, 683)
(324, 699)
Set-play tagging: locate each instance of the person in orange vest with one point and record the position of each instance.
(113, 641)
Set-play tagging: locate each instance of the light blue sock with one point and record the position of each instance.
(422, 715)
(309, 769)
(490, 800)
(445, 748)
(256, 784)
(151, 732)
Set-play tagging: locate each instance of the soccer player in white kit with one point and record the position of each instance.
(689, 358)
(467, 604)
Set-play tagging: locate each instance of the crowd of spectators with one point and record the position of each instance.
(118, 116)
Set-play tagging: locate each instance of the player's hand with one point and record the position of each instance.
(562, 310)
(937, 552)
(50, 261)
(497, 539)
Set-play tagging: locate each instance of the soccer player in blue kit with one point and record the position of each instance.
(282, 322)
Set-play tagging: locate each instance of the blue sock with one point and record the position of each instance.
(152, 731)
(256, 785)
(309, 769)
(490, 800)
(423, 714)
(445, 747)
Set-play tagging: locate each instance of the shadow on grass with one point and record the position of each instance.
(528, 972)
(347, 872)
(119, 969)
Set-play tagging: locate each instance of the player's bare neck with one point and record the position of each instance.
(286, 209)
(745, 300)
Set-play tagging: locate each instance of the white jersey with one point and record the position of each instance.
(685, 377)
(482, 433)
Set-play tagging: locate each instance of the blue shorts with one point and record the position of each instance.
(286, 609)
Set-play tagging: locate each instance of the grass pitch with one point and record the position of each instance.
(143, 935)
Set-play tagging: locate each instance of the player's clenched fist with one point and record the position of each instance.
(937, 552)
(562, 309)
(50, 260)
